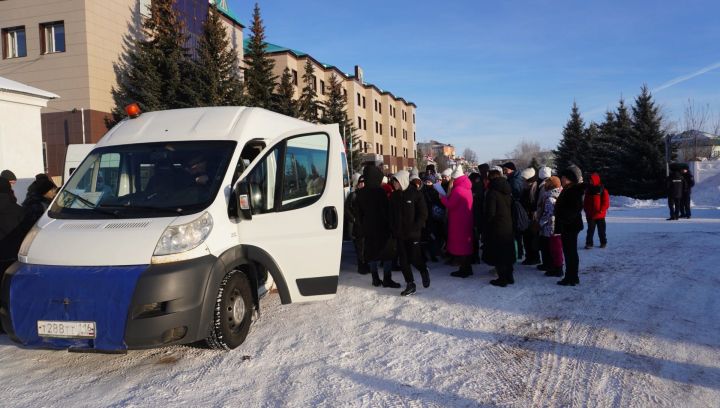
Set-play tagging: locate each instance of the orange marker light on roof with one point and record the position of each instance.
(133, 110)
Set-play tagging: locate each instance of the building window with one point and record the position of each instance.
(345, 94)
(413, 118)
(380, 107)
(358, 95)
(314, 82)
(414, 137)
(381, 149)
(375, 106)
(13, 42)
(52, 37)
(322, 87)
(364, 124)
(359, 122)
(295, 77)
(363, 102)
(381, 128)
(365, 147)
(377, 148)
(376, 127)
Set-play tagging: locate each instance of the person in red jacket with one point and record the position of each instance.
(597, 202)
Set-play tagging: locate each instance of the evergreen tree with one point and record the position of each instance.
(569, 150)
(336, 112)
(259, 80)
(217, 81)
(153, 67)
(590, 138)
(622, 161)
(308, 104)
(646, 149)
(283, 101)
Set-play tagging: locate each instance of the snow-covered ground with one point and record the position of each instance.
(642, 329)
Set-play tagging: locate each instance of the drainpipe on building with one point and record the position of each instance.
(82, 118)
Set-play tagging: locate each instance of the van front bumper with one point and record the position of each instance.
(136, 306)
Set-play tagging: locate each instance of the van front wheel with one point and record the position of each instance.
(233, 312)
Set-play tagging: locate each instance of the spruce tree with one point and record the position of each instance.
(588, 162)
(646, 149)
(153, 69)
(259, 79)
(283, 100)
(622, 159)
(308, 104)
(217, 81)
(336, 112)
(569, 149)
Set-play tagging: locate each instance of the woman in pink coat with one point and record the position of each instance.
(460, 221)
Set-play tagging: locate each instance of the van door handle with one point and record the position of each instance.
(330, 218)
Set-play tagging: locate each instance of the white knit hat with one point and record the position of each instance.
(458, 172)
(498, 168)
(528, 173)
(446, 173)
(544, 172)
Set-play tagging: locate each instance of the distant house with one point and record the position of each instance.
(433, 149)
(695, 145)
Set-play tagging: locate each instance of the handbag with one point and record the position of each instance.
(556, 251)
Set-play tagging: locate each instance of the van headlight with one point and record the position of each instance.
(27, 242)
(180, 238)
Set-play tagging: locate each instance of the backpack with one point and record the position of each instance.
(521, 221)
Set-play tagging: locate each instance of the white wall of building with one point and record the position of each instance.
(21, 149)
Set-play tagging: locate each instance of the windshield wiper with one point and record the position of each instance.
(176, 211)
(90, 205)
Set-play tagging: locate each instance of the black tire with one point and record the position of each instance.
(233, 312)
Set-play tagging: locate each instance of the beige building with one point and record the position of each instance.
(385, 123)
(68, 47)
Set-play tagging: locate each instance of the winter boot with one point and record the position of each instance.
(603, 245)
(387, 281)
(409, 290)
(376, 279)
(498, 282)
(567, 281)
(425, 278)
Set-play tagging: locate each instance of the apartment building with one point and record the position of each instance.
(385, 123)
(69, 48)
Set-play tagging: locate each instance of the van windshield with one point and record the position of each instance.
(145, 180)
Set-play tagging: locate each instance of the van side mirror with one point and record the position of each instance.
(244, 204)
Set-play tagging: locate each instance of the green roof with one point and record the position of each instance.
(222, 6)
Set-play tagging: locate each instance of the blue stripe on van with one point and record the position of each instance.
(73, 293)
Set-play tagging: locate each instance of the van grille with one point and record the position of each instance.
(79, 226)
(127, 225)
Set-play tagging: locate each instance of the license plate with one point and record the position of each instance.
(64, 329)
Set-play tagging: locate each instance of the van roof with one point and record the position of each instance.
(209, 123)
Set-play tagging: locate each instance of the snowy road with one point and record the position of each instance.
(643, 329)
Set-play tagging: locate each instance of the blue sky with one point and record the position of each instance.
(489, 74)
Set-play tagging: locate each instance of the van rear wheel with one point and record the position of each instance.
(233, 312)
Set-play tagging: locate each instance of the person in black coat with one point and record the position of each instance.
(372, 211)
(688, 184)
(499, 237)
(11, 217)
(675, 187)
(568, 221)
(408, 213)
(432, 233)
(352, 224)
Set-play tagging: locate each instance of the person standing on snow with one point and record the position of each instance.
(353, 226)
(408, 213)
(459, 203)
(373, 218)
(597, 202)
(544, 173)
(11, 215)
(499, 234)
(528, 199)
(675, 186)
(568, 221)
(688, 184)
(546, 220)
(517, 185)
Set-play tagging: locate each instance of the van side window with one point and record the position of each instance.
(305, 170)
(262, 181)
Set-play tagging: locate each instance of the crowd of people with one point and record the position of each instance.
(680, 184)
(16, 220)
(497, 215)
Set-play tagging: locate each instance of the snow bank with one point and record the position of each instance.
(627, 202)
